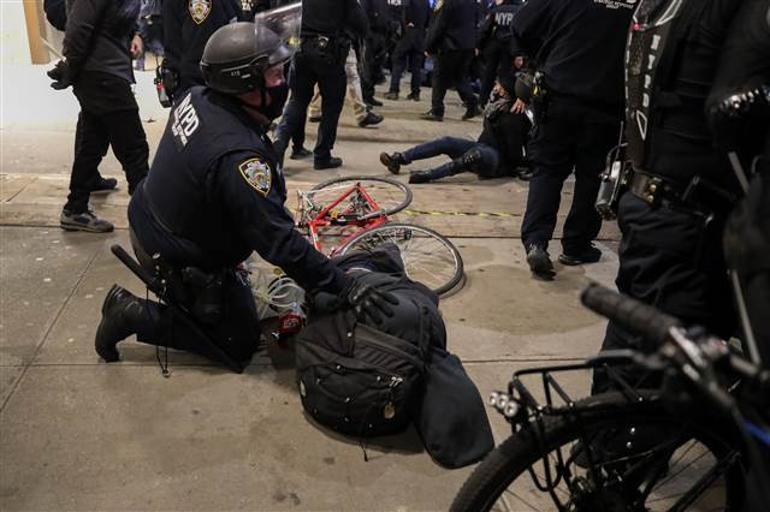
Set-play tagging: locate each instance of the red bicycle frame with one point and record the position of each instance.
(326, 218)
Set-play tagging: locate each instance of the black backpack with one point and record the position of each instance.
(56, 13)
(355, 379)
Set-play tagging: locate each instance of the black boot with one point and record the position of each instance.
(124, 314)
(392, 161)
(420, 176)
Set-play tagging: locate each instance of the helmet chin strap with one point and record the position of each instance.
(254, 112)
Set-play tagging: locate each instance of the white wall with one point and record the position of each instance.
(14, 45)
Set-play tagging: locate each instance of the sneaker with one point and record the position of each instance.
(314, 119)
(414, 96)
(329, 163)
(372, 102)
(419, 177)
(392, 162)
(539, 261)
(471, 112)
(432, 116)
(300, 153)
(370, 119)
(85, 221)
(105, 186)
(590, 254)
(391, 95)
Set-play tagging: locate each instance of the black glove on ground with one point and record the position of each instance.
(369, 303)
(60, 75)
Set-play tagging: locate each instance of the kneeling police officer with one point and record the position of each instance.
(214, 194)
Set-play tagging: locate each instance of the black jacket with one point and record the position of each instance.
(506, 132)
(578, 45)
(333, 18)
(453, 26)
(187, 29)
(215, 193)
(98, 36)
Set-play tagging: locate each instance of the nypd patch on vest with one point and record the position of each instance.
(199, 10)
(257, 173)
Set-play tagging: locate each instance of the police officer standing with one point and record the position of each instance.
(414, 17)
(577, 46)
(98, 48)
(327, 28)
(495, 44)
(374, 48)
(451, 40)
(214, 194)
(682, 186)
(187, 25)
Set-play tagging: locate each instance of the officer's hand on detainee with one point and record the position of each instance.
(137, 46)
(368, 302)
(518, 106)
(60, 75)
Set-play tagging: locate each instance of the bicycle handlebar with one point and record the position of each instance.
(629, 313)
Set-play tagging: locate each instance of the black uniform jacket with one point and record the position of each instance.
(578, 45)
(98, 36)
(453, 26)
(187, 26)
(215, 193)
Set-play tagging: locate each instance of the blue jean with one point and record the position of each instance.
(454, 148)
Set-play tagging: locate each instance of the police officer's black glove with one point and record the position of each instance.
(61, 76)
(369, 303)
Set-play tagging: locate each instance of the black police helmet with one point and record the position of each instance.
(234, 59)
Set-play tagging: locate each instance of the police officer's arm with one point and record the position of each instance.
(255, 204)
(172, 34)
(529, 27)
(485, 30)
(438, 25)
(82, 19)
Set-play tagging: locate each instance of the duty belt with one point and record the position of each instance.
(699, 196)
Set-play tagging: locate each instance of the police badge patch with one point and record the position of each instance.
(199, 10)
(257, 173)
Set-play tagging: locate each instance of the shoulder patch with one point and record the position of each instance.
(257, 174)
(199, 10)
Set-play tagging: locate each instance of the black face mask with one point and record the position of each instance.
(277, 95)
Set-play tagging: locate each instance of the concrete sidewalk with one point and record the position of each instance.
(78, 434)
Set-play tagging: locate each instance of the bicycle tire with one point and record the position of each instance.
(368, 239)
(351, 180)
(512, 458)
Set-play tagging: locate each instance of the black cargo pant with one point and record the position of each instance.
(409, 49)
(109, 116)
(307, 70)
(672, 259)
(451, 68)
(373, 58)
(568, 135)
(235, 330)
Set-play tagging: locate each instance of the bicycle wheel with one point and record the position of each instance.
(428, 257)
(681, 464)
(390, 195)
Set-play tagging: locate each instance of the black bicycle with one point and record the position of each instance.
(700, 442)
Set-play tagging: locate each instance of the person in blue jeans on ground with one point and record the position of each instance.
(499, 150)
